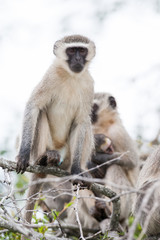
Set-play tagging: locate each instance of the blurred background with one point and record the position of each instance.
(127, 63)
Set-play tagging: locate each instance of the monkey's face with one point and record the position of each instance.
(103, 106)
(76, 58)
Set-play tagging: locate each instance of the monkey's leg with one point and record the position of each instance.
(81, 147)
(116, 175)
(33, 195)
(41, 143)
(85, 202)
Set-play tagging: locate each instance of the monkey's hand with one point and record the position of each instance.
(22, 163)
(100, 204)
(98, 172)
(49, 158)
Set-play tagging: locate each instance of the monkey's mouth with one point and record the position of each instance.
(77, 67)
(107, 149)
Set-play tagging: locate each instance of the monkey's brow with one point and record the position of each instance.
(77, 38)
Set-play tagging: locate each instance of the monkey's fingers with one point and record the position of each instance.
(22, 164)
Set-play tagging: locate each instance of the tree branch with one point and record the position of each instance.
(96, 188)
(11, 166)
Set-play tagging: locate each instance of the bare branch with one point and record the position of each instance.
(96, 188)
(13, 227)
(76, 211)
(11, 166)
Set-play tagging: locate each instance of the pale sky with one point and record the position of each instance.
(127, 62)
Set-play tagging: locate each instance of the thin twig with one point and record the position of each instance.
(76, 212)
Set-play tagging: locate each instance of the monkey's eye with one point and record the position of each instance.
(112, 102)
(70, 51)
(83, 51)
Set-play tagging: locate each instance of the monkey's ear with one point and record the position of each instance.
(56, 46)
(112, 102)
(59, 50)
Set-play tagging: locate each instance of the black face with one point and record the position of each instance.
(76, 58)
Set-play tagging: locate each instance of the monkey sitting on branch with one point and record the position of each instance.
(120, 164)
(56, 125)
(123, 172)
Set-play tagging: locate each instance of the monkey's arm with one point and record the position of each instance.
(28, 132)
(37, 102)
(100, 158)
(123, 160)
(128, 160)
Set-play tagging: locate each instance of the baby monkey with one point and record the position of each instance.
(103, 151)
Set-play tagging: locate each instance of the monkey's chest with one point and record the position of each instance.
(61, 116)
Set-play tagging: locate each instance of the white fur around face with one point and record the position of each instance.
(60, 49)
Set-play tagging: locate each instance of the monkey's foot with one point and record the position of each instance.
(100, 204)
(22, 163)
(96, 213)
(100, 211)
(49, 158)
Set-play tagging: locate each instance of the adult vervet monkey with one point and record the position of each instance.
(56, 125)
(106, 120)
(122, 173)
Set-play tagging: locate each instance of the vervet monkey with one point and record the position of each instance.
(123, 172)
(146, 203)
(56, 124)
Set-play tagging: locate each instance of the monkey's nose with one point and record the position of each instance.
(77, 56)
